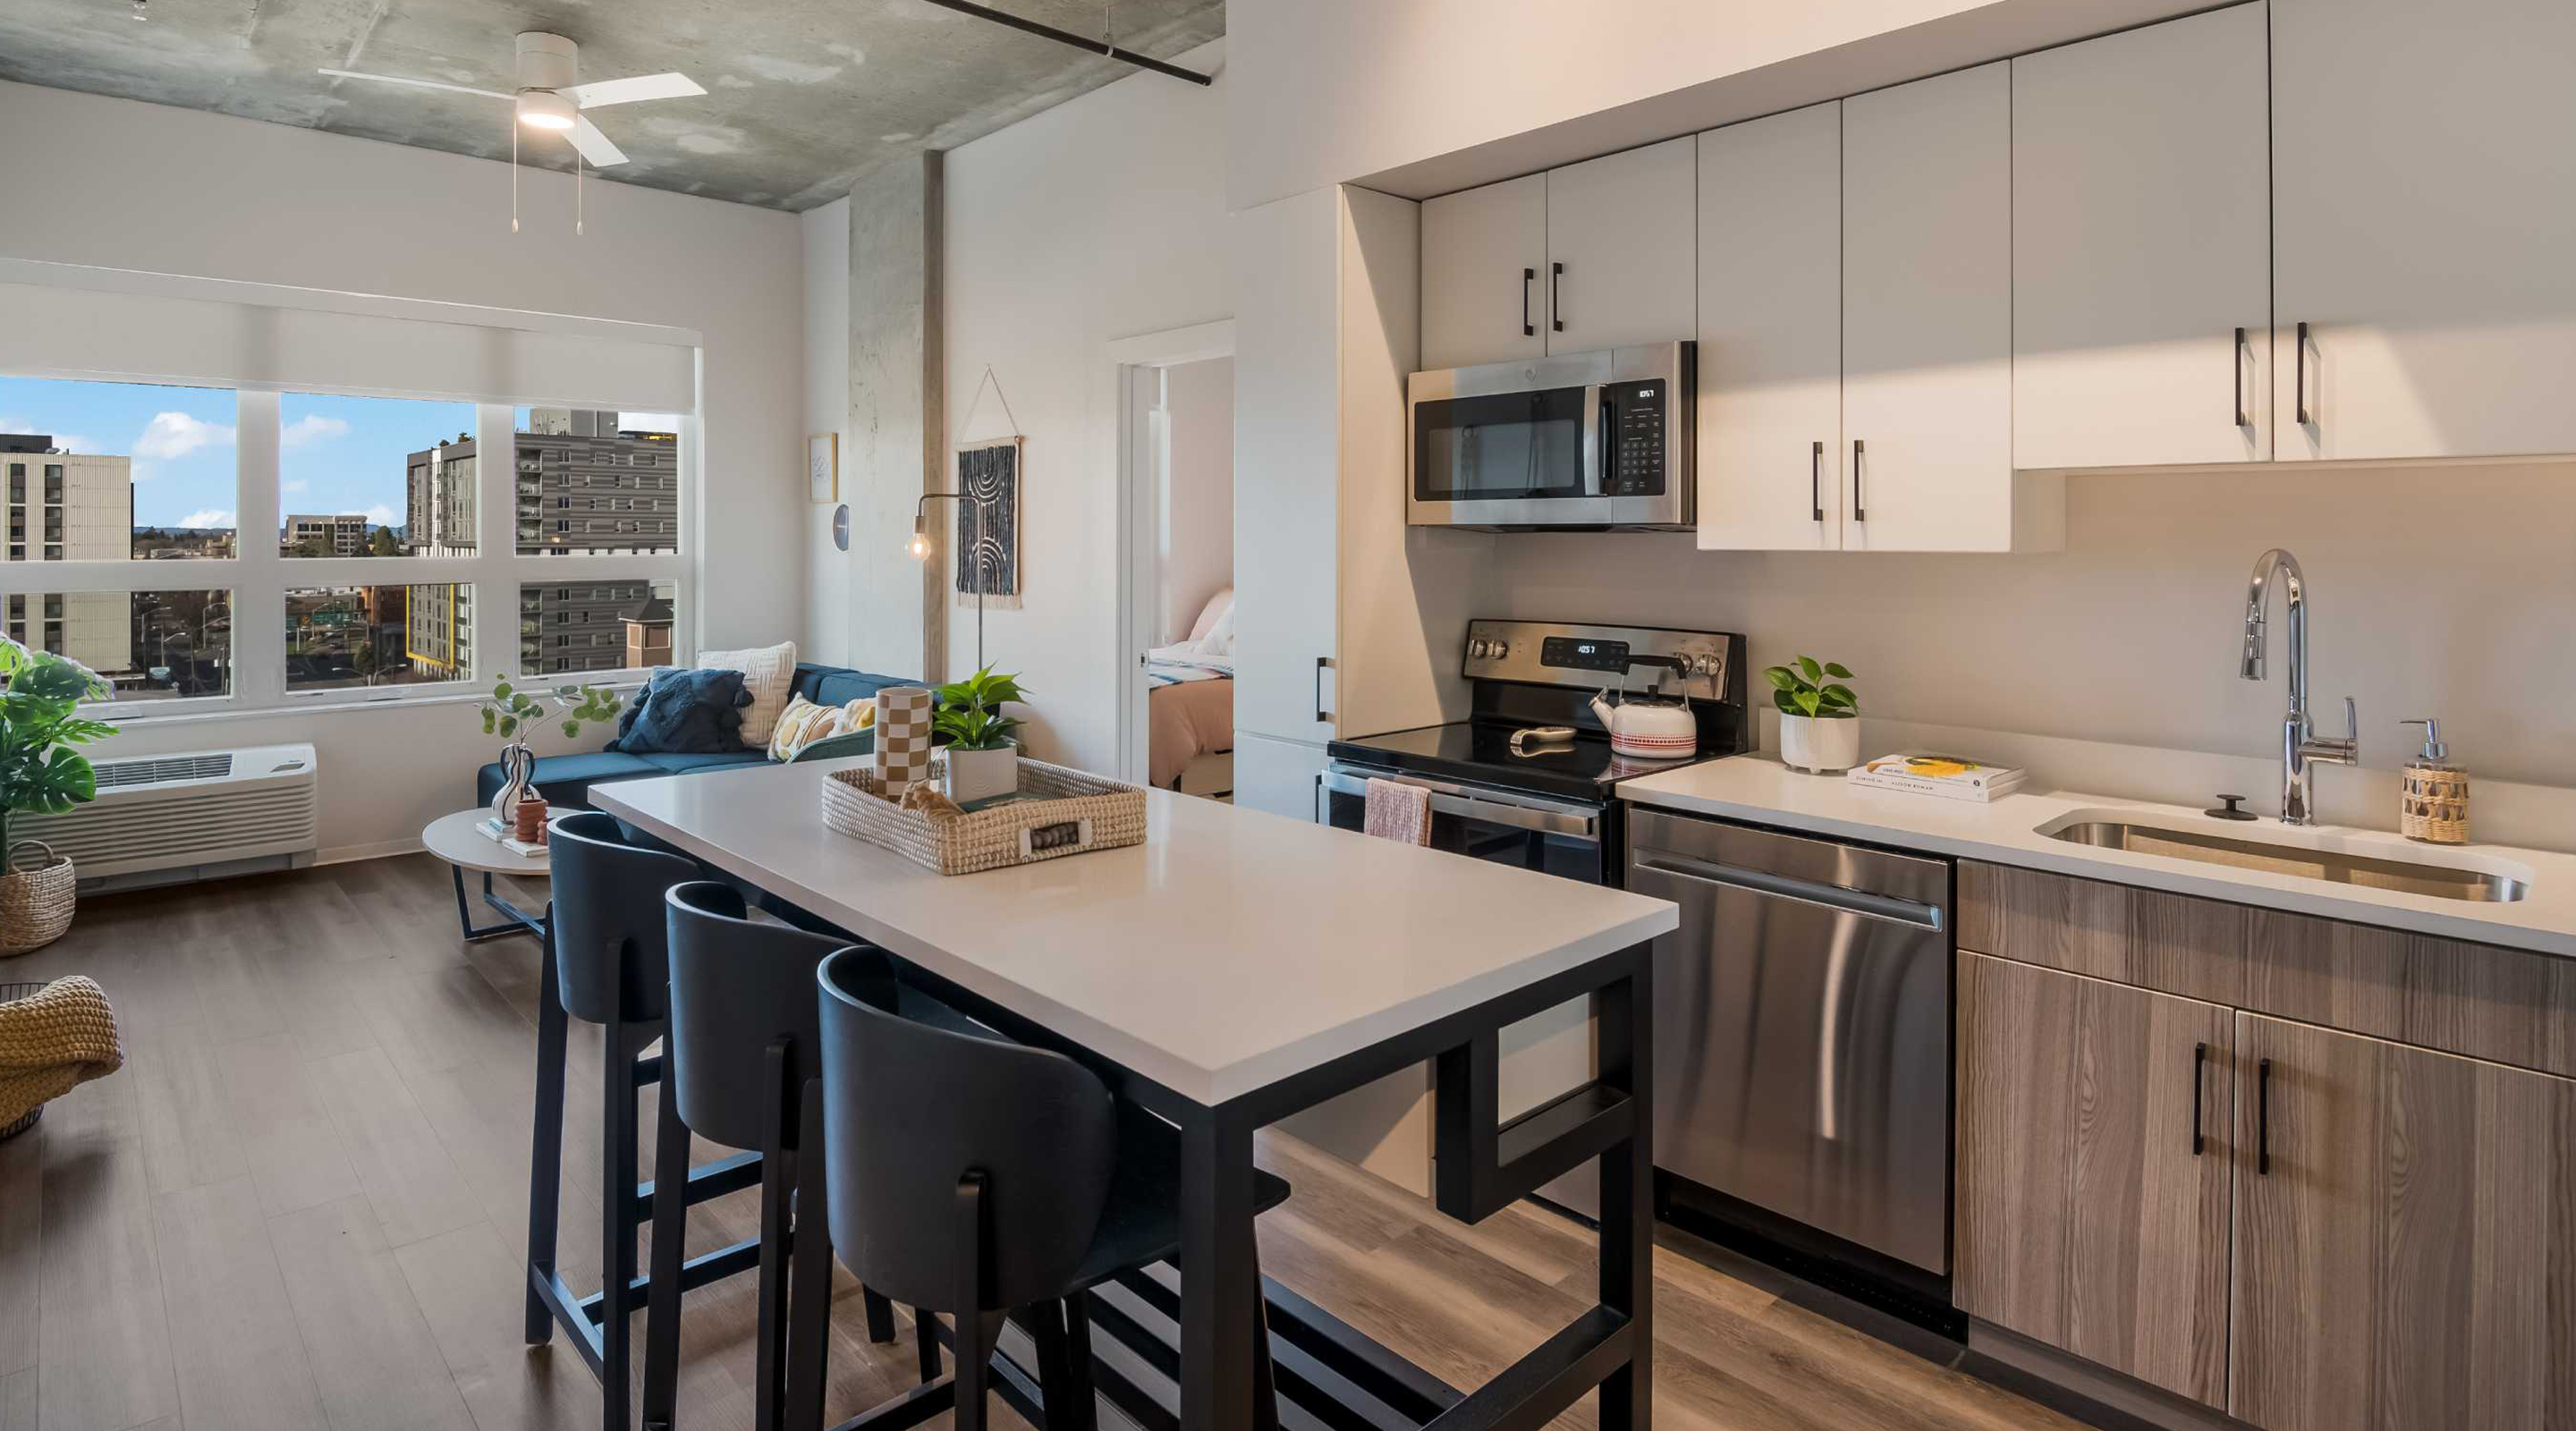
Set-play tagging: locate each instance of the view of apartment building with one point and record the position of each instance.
(338, 535)
(69, 506)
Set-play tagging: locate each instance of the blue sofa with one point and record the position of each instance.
(565, 780)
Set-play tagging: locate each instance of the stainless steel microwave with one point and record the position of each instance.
(1578, 440)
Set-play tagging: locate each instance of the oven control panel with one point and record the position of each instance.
(1560, 654)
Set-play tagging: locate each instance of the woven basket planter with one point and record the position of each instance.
(36, 897)
(1070, 813)
(10, 994)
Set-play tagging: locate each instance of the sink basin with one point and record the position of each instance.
(2271, 857)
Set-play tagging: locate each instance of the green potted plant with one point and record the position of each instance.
(40, 721)
(1819, 715)
(983, 759)
(513, 714)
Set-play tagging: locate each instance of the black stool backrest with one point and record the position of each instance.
(612, 948)
(909, 1109)
(736, 987)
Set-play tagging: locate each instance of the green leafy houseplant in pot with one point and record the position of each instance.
(1819, 715)
(514, 714)
(983, 759)
(40, 773)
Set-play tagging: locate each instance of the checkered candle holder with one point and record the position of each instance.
(903, 739)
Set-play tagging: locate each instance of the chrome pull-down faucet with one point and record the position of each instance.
(2301, 747)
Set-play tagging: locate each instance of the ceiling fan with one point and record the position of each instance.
(550, 98)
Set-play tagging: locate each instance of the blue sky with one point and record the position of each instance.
(335, 454)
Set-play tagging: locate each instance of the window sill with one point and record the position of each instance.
(220, 710)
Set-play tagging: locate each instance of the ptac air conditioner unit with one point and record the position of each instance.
(167, 819)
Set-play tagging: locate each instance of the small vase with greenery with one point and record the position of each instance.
(983, 756)
(514, 714)
(40, 773)
(1819, 715)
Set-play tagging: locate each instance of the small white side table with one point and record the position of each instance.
(455, 839)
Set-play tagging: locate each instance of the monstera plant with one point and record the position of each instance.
(41, 695)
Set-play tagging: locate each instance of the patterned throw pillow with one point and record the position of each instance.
(804, 723)
(769, 673)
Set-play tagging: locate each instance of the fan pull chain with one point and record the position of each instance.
(576, 190)
(514, 173)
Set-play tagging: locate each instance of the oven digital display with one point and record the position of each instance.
(1578, 654)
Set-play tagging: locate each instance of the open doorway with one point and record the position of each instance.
(1177, 444)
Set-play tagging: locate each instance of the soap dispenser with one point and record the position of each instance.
(2434, 804)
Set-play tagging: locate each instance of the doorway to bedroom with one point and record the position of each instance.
(1178, 448)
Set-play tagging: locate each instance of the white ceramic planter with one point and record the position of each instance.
(1823, 746)
(982, 774)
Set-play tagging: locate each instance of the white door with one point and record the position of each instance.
(2424, 197)
(1276, 775)
(1927, 315)
(1622, 260)
(1287, 472)
(1770, 333)
(1484, 274)
(2141, 245)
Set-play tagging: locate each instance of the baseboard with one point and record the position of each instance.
(381, 850)
(2067, 1383)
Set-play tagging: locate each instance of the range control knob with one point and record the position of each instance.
(1498, 648)
(1477, 646)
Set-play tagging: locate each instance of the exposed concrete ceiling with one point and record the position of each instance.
(803, 96)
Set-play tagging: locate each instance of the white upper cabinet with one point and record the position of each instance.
(1622, 266)
(1770, 333)
(2141, 247)
(1484, 274)
(2424, 193)
(1927, 323)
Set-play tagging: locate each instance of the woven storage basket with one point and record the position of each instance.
(10, 994)
(36, 897)
(1071, 813)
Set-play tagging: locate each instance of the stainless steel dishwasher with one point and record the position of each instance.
(1802, 1031)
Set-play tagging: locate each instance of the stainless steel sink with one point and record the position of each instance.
(2331, 866)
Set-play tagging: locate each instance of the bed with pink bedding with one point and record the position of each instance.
(1190, 695)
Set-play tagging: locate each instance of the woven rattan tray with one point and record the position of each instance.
(1059, 812)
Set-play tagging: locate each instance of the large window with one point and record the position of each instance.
(350, 536)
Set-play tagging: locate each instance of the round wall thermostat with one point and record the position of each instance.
(841, 526)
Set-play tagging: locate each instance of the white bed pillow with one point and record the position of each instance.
(1219, 638)
(769, 674)
(1219, 606)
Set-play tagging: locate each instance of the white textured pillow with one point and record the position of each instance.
(769, 674)
(1219, 640)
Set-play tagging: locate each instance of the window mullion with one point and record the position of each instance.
(258, 569)
(496, 541)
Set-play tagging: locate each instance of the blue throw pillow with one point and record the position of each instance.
(684, 711)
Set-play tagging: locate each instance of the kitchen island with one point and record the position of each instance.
(1237, 968)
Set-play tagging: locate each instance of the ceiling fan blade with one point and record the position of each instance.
(416, 84)
(627, 91)
(594, 146)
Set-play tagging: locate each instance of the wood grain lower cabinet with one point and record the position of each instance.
(2405, 1256)
(2094, 1170)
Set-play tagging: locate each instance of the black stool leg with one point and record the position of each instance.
(925, 1330)
(777, 1178)
(1265, 1388)
(621, 1136)
(670, 1236)
(809, 1317)
(545, 1155)
(1069, 1402)
(977, 1330)
(880, 1314)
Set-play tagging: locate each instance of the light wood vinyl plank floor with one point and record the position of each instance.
(302, 1207)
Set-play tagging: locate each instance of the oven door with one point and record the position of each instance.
(1552, 836)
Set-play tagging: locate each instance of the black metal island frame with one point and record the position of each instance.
(1342, 960)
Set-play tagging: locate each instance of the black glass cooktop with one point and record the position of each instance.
(1480, 751)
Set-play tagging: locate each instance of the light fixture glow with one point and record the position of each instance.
(544, 109)
(920, 541)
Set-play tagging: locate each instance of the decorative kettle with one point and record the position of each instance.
(1653, 730)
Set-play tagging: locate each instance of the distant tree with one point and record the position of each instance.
(384, 543)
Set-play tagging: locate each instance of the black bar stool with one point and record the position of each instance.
(743, 1044)
(607, 963)
(1004, 1181)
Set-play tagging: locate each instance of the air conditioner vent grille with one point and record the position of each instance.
(155, 770)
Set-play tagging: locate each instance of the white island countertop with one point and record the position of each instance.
(1230, 950)
(1761, 790)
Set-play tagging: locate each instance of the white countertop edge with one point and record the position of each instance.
(2533, 924)
(1206, 1086)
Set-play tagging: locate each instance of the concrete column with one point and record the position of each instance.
(898, 425)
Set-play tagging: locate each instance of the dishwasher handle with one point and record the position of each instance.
(1829, 896)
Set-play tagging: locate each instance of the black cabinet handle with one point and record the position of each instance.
(1816, 480)
(2199, 1062)
(1860, 513)
(2263, 1118)
(1321, 715)
(2236, 361)
(2302, 370)
(1530, 276)
(1556, 296)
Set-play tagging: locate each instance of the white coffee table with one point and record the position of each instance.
(455, 839)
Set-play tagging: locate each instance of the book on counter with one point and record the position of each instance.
(1946, 777)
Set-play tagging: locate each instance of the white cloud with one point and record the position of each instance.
(175, 434)
(380, 515)
(770, 67)
(310, 428)
(207, 517)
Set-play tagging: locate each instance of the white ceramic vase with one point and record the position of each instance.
(982, 774)
(1823, 746)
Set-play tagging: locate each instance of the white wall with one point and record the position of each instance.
(1196, 533)
(139, 186)
(826, 238)
(1100, 219)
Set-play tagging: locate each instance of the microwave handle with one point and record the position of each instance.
(1596, 439)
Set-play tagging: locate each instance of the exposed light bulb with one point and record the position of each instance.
(544, 109)
(920, 546)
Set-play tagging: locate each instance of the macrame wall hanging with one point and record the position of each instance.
(989, 472)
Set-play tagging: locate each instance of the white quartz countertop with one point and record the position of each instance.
(1759, 789)
(1230, 950)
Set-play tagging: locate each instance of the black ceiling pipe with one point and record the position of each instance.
(1067, 37)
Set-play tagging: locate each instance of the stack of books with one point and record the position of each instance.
(493, 830)
(1946, 777)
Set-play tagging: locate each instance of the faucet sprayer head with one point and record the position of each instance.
(2252, 667)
